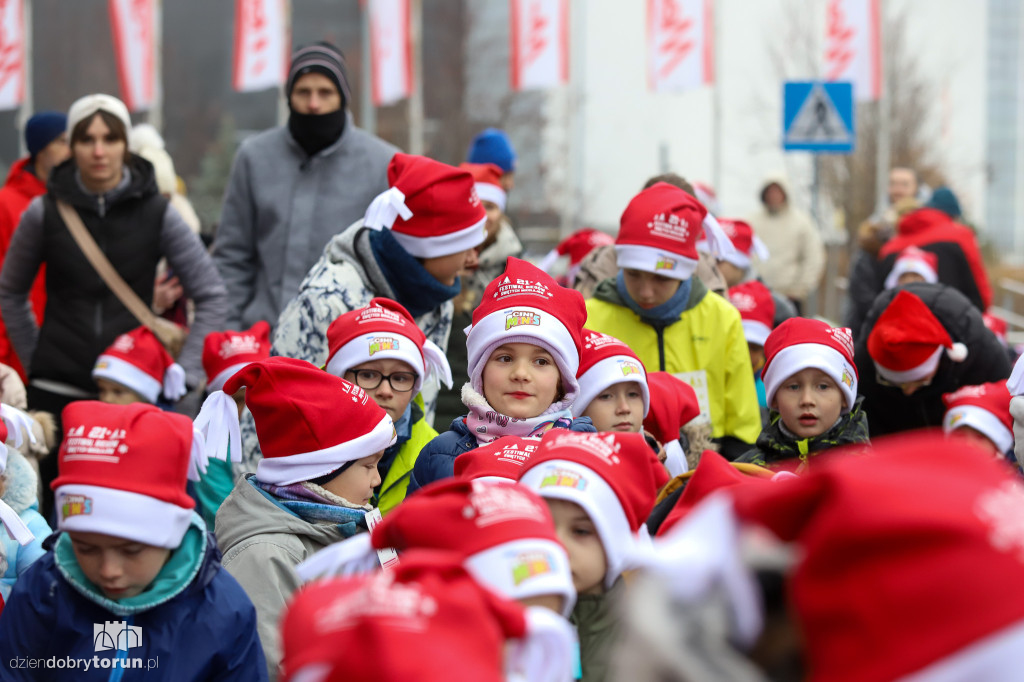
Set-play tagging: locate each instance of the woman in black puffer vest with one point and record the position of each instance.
(116, 196)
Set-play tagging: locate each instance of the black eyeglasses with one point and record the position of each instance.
(370, 379)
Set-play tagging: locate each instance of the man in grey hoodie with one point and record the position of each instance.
(294, 187)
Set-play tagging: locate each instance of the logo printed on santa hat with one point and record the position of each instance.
(670, 226)
(76, 505)
(743, 301)
(564, 478)
(600, 445)
(124, 343)
(598, 340)
(521, 287)
(665, 263)
(500, 504)
(842, 336)
(246, 344)
(529, 565)
(379, 344)
(381, 598)
(102, 444)
(629, 367)
(521, 318)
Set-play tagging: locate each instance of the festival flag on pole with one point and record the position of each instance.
(133, 25)
(391, 54)
(680, 44)
(852, 52)
(540, 43)
(12, 54)
(262, 45)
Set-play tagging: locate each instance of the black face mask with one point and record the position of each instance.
(315, 132)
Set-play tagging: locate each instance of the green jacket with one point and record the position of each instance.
(395, 484)
(774, 446)
(596, 620)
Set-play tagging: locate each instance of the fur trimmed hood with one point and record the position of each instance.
(20, 482)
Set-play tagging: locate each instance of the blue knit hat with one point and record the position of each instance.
(42, 129)
(944, 200)
(493, 146)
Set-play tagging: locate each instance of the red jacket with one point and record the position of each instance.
(928, 227)
(21, 187)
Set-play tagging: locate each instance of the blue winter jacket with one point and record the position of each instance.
(437, 458)
(201, 625)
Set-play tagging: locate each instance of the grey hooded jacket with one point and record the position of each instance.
(281, 207)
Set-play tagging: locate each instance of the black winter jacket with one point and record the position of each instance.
(890, 410)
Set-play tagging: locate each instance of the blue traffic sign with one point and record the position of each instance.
(818, 117)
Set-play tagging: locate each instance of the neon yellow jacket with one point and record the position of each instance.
(708, 336)
(395, 484)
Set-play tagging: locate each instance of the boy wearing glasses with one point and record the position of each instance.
(380, 349)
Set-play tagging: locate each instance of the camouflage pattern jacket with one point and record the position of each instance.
(775, 446)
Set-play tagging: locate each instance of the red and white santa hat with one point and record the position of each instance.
(757, 310)
(309, 423)
(937, 607)
(614, 477)
(123, 471)
(914, 260)
(707, 196)
(226, 352)
(502, 530)
(422, 620)
(800, 343)
(907, 340)
(984, 408)
(487, 179)
(576, 246)
(606, 361)
(746, 243)
(658, 232)
(525, 305)
(503, 459)
(137, 360)
(674, 404)
(713, 473)
(12, 422)
(384, 330)
(431, 208)
(997, 326)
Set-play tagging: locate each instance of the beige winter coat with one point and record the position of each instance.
(797, 253)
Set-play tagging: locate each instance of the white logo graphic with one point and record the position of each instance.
(116, 635)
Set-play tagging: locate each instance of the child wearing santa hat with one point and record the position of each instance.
(321, 438)
(667, 316)
(600, 488)
(737, 267)
(501, 241)
(503, 533)
(411, 246)
(913, 265)
(133, 575)
(22, 543)
(523, 352)
(576, 246)
(981, 414)
(613, 385)
(137, 368)
(428, 620)
(757, 308)
(811, 385)
(224, 354)
(675, 422)
(380, 349)
(920, 341)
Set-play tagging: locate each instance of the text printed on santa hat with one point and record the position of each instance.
(521, 287)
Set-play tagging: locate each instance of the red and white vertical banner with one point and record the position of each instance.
(852, 51)
(262, 45)
(680, 44)
(540, 43)
(12, 54)
(133, 25)
(390, 51)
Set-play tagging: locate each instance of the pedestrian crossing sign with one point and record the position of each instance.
(818, 117)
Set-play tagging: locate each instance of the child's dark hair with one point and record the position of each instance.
(673, 179)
